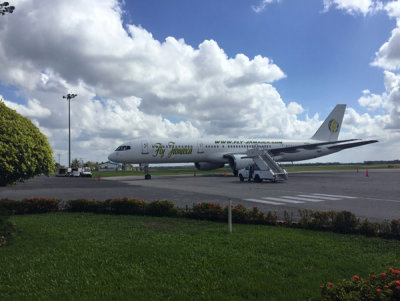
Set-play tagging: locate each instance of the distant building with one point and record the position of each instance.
(110, 166)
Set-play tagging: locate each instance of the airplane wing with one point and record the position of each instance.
(339, 144)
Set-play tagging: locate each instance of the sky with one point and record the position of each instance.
(201, 69)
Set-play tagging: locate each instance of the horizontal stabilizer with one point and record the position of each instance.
(309, 146)
(350, 145)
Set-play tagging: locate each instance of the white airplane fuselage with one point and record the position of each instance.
(207, 150)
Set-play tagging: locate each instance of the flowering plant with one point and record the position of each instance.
(383, 286)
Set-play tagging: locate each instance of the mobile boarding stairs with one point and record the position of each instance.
(266, 165)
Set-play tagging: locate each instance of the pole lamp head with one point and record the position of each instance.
(70, 96)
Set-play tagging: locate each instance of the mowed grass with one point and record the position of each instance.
(87, 256)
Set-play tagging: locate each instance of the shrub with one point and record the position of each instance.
(383, 286)
(271, 218)
(14, 207)
(161, 208)
(368, 228)
(256, 216)
(208, 211)
(38, 205)
(127, 206)
(84, 205)
(288, 218)
(33, 205)
(24, 151)
(321, 220)
(317, 220)
(240, 214)
(344, 222)
(395, 228)
(305, 217)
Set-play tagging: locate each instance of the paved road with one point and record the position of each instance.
(376, 197)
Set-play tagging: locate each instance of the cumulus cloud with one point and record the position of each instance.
(353, 7)
(33, 109)
(370, 100)
(130, 84)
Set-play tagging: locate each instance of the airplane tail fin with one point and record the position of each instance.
(330, 128)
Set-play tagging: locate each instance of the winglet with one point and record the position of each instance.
(330, 128)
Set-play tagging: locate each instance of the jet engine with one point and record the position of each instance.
(208, 165)
(236, 162)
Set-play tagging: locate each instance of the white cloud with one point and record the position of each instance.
(130, 84)
(33, 109)
(353, 7)
(388, 56)
(372, 101)
(127, 81)
(262, 5)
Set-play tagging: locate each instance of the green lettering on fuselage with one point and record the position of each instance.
(174, 150)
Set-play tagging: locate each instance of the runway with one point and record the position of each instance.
(376, 196)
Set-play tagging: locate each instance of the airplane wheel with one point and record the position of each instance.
(147, 177)
(257, 179)
(235, 173)
(241, 178)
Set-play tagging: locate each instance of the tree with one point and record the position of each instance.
(24, 151)
(92, 165)
(75, 163)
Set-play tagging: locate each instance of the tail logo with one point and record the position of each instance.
(333, 126)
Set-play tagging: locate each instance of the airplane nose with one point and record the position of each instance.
(111, 157)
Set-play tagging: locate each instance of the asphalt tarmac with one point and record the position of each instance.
(376, 196)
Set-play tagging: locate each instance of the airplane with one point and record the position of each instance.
(208, 154)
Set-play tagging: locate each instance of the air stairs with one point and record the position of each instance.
(264, 161)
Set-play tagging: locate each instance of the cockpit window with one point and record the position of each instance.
(123, 148)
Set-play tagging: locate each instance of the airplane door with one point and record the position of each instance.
(200, 147)
(145, 147)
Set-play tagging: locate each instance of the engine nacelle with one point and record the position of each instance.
(208, 165)
(236, 162)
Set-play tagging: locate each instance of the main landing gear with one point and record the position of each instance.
(147, 176)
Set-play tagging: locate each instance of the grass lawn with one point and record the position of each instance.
(88, 256)
(228, 171)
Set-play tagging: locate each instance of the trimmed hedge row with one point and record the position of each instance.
(337, 221)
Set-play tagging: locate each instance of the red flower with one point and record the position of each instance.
(320, 287)
(373, 276)
(396, 272)
(355, 277)
(397, 288)
(378, 290)
(330, 283)
(396, 281)
(383, 275)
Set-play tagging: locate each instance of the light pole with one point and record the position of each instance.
(69, 97)
(4, 8)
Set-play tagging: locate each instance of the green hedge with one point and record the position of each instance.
(31, 205)
(338, 221)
